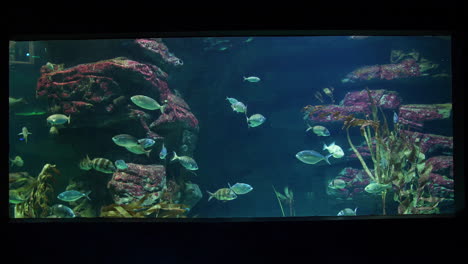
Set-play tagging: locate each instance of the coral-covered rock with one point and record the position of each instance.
(356, 180)
(192, 194)
(430, 142)
(404, 69)
(356, 103)
(440, 186)
(158, 52)
(442, 165)
(416, 114)
(137, 181)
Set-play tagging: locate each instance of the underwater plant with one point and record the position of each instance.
(287, 198)
(39, 201)
(398, 162)
(135, 209)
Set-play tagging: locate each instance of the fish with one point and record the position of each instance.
(33, 113)
(16, 101)
(335, 150)
(319, 130)
(337, 184)
(255, 120)
(239, 107)
(121, 165)
(328, 91)
(252, 79)
(146, 142)
(72, 195)
(147, 103)
(358, 37)
(347, 212)
(232, 100)
(53, 130)
(58, 119)
(248, 40)
(240, 188)
(17, 161)
(395, 117)
(311, 157)
(139, 150)
(61, 210)
(125, 140)
(103, 165)
(25, 133)
(377, 188)
(223, 194)
(86, 163)
(186, 161)
(163, 152)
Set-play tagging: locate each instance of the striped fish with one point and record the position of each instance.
(103, 165)
(223, 194)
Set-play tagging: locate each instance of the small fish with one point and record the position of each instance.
(377, 188)
(358, 37)
(311, 157)
(335, 150)
(163, 153)
(223, 194)
(239, 107)
(25, 133)
(147, 103)
(337, 184)
(186, 161)
(34, 113)
(248, 40)
(61, 210)
(103, 165)
(139, 150)
(232, 100)
(319, 130)
(395, 117)
(15, 101)
(146, 142)
(53, 130)
(125, 140)
(240, 188)
(328, 91)
(347, 212)
(58, 119)
(255, 120)
(252, 79)
(72, 195)
(17, 161)
(121, 165)
(224, 47)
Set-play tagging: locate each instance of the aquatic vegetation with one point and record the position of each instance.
(38, 203)
(287, 198)
(404, 165)
(136, 209)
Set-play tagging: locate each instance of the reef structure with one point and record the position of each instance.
(136, 182)
(415, 114)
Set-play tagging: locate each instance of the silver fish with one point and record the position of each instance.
(163, 153)
(58, 119)
(252, 79)
(232, 100)
(240, 188)
(311, 157)
(72, 195)
(125, 140)
(239, 107)
(147, 103)
(255, 120)
(186, 161)
(25, 133)
(61, 210)
(121, 165)
(146, 142)
(347, 212)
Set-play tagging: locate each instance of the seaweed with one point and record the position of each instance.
(287, 198)
(396, 159)
(39, 201)
(136, 209)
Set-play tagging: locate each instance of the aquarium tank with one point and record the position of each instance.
(231, 126)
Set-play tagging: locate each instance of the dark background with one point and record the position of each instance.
(338, 241)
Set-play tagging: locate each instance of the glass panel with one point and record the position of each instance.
(231, 127)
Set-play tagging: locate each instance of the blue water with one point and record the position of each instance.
(291, 70)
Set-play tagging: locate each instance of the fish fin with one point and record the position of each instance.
(332, 144)
(147, 152)
(324, 146)
(20, 133)
(326, 158)
(355, 210)
(86, 195)
(162, 108)
(244, 78)
(175, 156)
(309, 127)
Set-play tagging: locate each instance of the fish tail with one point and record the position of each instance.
(175, 156)
(326, 158)
(69, 116)
(162, 108)
(148, 152)
(324, 146)
(309, 127)
(244, 78)
(211, 195)
(86, 195)
(355, 210)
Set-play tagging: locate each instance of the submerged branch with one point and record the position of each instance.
(358, 155)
